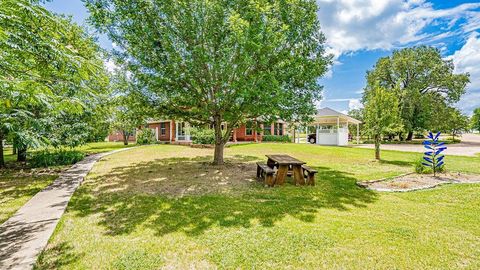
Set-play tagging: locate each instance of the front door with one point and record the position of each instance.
(182, 131)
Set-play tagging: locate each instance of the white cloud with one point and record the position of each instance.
(352, 25)
(467, 59)
(110, 65)
(354, 104)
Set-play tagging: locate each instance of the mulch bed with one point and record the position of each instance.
(414, 181)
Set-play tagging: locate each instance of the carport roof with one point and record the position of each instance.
(327, 115)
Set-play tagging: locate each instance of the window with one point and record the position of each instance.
(163, 128)
(249, 129)
(279, 129)
(267, 129)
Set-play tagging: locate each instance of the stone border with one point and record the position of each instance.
(365, 184)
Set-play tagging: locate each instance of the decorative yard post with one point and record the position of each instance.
(432, 156)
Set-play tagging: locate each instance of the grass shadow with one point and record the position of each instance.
(397, 162)
(152, 195)
(58, 256)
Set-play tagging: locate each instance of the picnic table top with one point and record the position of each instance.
(285, 160)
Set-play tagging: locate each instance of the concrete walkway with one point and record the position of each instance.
(25, 234)
(470, 146)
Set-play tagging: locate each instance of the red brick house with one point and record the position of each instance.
(117, 136)
(179, 131)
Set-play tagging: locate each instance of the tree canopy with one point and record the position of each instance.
(380, 113)
(475, 121)
(131, 108)
(50, 70)
(424, 82)
(455, 122)
(220, 61)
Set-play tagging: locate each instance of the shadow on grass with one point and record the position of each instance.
(124, 205)
(397, 162)
(57, 256)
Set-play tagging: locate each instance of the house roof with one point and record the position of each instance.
(327, 115)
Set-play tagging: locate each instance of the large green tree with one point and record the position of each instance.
(380, 113)
(49, 68)
(475, 120)
(220, 61)
(422, 80)
(131, 107)
(455, 122)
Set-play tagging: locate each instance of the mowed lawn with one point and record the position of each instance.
(16, 188)
(165, 207)
(18, 184)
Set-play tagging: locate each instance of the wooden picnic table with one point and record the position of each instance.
(283, 162)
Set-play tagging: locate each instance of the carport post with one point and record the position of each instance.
(358, 133)
(306, 133)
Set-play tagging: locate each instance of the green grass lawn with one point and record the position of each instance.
(7, 154)
(16, 189)
(100, 147)
(18, 185)
(164, 206)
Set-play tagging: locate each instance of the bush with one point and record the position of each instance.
(276, 138)
(146, 136)
(422, 169)
(203, 135)
(47, 158)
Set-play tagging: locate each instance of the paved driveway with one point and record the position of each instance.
(470, 146)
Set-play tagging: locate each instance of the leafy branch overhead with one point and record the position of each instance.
(52, 77)
(220, 61)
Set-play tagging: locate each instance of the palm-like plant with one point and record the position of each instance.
(433, 157)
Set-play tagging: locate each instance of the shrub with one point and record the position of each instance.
(203, 135)
(47, 158)
(146, 136)
(422, 169)
(276, 138)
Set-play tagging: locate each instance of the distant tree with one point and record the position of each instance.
(49, 68)
(455, 122)
(419, 76)
(357, 114)
(475, 120)
(380, 113)
(222, 61)
(131, 108)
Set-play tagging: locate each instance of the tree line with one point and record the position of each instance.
(412, 91)
(53, 84)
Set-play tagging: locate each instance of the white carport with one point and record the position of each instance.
(332, 127)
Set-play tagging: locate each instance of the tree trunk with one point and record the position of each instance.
(377, 146)
(14, 150)
(2, 160)
(22, 153)
(125, 138)
(219, 141)
(410, 136)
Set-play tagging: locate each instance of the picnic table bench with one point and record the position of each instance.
(265, 172)
(283, 163)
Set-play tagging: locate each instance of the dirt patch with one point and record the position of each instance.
(178, 177)
(411, 182)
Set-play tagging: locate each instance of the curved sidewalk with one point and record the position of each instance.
(25, 234)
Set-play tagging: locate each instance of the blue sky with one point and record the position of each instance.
(360, 31)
